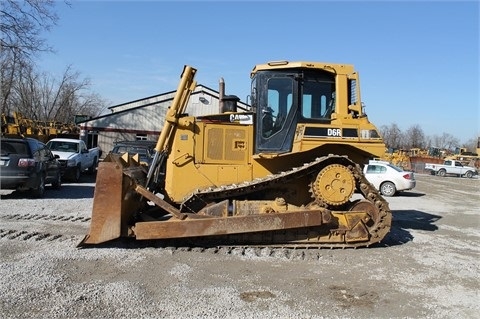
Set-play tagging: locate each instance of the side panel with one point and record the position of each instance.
(360, 141)
(223, 144)
(211, 155)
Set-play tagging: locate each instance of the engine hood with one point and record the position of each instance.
(64, 155)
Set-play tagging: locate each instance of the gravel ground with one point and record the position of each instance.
(428, 266)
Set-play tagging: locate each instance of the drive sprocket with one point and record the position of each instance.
(334, 185)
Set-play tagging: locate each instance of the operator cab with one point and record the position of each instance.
(284, 97)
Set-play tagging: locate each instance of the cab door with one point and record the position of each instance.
(277, 113)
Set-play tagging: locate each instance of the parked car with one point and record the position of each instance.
(26, 164)
(144, 149)
(451, 167)
(387, 178)
(74, 157)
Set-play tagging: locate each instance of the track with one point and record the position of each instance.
(288, 253)
(41, 227)
(377, 231)
(48, 228)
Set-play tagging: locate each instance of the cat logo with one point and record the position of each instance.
(241, 118)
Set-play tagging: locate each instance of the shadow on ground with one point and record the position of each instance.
(405, 220)
(410, 194)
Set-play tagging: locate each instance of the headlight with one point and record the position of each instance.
(71, 163)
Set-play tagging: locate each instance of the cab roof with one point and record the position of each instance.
(329, 67)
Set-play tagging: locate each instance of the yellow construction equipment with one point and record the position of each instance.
(9, 125)
(19, 125)
(466, 158)
(285, 172)
(398, 157)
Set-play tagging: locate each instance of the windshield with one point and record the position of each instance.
(63, 146)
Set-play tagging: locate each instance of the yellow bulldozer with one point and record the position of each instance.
(284, 172)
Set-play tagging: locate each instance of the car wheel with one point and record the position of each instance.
(388, 189)
(91, 169)
(39, 191)
(469, 174)
(76, 174)
(58, 181)
(442, 173)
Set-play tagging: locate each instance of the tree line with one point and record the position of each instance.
(414, 137)
(25, 88)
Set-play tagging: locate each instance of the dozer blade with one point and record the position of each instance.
(112, 201)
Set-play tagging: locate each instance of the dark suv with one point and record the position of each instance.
(26, 164)
(144, 149)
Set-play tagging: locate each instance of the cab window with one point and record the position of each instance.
(318, 99)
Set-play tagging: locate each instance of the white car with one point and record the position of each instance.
(387, 178)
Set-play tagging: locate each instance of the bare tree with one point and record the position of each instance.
(392, 136)
(10, 63)
(414, 137)
(40, 97)
(472, 144)
(445, 141)
(22, 23)
(21, 27)
(35, 95)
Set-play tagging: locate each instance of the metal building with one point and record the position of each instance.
(143, 119)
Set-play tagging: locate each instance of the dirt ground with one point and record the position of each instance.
(427, 267)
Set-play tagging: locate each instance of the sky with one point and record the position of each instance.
(418, 60)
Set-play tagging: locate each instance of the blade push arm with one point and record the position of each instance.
(185, 87)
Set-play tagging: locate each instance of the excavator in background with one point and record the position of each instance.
(284, 172)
